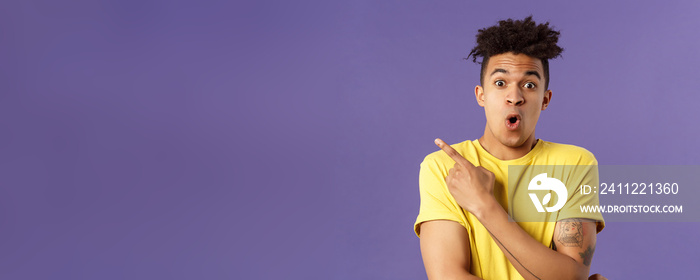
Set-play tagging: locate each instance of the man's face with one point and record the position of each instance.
(513, 95)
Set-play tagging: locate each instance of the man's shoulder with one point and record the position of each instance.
(548, 153)
(567, 152)
(440, 157)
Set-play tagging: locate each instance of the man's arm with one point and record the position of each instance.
(534, 260)
(446, 251)
(576, 238)
(472, 188)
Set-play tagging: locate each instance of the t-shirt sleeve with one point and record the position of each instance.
(578, 203)
(436, 203)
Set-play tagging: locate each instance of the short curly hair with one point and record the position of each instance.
(519, 37)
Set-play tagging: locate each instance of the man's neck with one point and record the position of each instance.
(503, 152)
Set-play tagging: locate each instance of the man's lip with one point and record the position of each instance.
(513, 115)
(513, 126)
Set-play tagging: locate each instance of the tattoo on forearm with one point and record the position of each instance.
(587, 255)
(571, 233)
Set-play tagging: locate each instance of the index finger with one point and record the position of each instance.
(453, 153)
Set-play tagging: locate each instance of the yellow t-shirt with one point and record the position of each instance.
(572, 165)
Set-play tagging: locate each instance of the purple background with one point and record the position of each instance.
(263, 140)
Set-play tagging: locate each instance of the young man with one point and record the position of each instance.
(467, 197)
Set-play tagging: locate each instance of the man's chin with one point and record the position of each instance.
(513, 145)
(513, 141)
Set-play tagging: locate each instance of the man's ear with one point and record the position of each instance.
(547, 98)
(479, 94)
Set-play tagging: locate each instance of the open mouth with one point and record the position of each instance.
(512, 121)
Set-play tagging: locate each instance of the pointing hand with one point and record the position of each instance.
(470, 185)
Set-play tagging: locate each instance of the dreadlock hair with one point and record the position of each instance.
(519, 37)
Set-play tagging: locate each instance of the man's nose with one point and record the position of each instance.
(515, 97)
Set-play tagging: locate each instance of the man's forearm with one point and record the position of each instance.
(532, 259)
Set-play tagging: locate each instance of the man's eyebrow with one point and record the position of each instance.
(528, 73)
(534, 73)
(498, 70)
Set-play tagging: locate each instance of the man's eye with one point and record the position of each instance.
(500, 83)
(530, 85)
